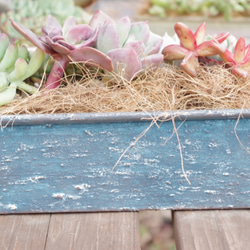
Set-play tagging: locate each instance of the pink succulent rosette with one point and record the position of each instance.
(68, 43)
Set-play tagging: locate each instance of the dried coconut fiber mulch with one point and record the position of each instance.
(164, 89)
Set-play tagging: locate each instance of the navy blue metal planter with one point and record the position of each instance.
(64, 162)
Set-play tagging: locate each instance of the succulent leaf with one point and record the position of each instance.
(221, 37)
(55, 39)
(8, 94)
(229, 43)
(3, 80)
(123, 28)
(126, 62)
(80, 33)
(239, 51)
(57, 47)
(200, 33)
(137, 46)
(174, 52)
(4, 43)
(9, 58)
(108, 38)
(20, 70)
(32, 37)
(209, 48)
(189, 64)
(154, 60)
(35, 63)
(169, 40)
(247, 52)
(92, 57)
(99, 18)
(245, 66)
(65, 44)
(23, 52)
(141, 31)
(56, 74)
(69, 23)
(228, 57)
(53, 27)
(153, 45)
(186, 36)
(26, 87)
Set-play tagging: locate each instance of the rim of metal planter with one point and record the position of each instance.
(78, 118)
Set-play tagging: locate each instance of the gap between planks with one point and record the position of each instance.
(212, 229)
(106, 230)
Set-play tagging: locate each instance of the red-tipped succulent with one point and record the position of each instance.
(68, 43)
(192, 46)
(239, 60)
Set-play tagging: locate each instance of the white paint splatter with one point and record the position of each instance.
(34, 179)
(58, 195)
(211, 191)
(84, 187)
(73, 197)
(11, 207)
(213, 145)
(63, 196)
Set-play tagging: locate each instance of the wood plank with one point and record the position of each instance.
(215, 229)
(23, 232)
(110, 230)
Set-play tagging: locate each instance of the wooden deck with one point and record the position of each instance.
(212, 229)
(206, 230)
(70, 231)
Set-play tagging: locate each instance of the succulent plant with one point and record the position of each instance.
(239, 60)
(226, 8)
(68, 43)
(202, 7)
(169, 40)
(131, 46)
(228, 44)
(192, 46)
(16, 65)
(32, 14)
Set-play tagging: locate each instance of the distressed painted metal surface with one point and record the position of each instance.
(64, 163)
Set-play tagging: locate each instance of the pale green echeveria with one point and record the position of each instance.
(131, 46)
(16, 65)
